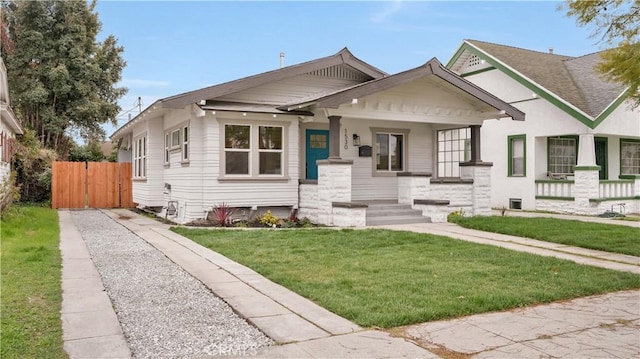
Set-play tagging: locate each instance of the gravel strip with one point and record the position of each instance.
(163, 310)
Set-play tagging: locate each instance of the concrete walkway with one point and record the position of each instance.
(592, 257)
(90, 328)
(306, 330)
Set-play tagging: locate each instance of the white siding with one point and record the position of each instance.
(246, 193)
(542, 120)
(291, 90)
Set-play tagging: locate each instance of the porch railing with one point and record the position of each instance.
(554, 189)
(616, 189)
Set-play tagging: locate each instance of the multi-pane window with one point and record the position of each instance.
(185, 143)
(454, 146)
(389, 151)
(140, 157)
(270, 150)
(562, 155)
(243, 157)
(175, 139)
(517, 157)
(629, 157)
(237, 148)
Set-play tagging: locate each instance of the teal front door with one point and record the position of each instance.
(317, 148)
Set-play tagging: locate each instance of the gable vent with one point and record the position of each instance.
(340, 72)
(473, 63)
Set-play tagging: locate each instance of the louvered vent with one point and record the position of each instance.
(473, 63)
(340, 72)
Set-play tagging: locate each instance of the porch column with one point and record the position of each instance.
(586, 150)
(334, 185)
(586, 175)
(480, 173)
(334, 137)
(475, 144)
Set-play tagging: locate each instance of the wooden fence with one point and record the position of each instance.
(92, 184)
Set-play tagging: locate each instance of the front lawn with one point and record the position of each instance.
(603, 237)
(31, 291)
(387, 278)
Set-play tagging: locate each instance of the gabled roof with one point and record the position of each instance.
(343, 56)
(571, 83)
(432, 68)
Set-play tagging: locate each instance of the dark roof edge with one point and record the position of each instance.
(476, 91)
(434, 67)
(344, 56)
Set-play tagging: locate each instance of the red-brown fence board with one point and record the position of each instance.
(126, 189)
(96, 184)
(68, 185)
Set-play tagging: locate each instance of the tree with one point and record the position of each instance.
(617, 24)
(91, 152)
(61, 79)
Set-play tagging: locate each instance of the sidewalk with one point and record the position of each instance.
(306, 330)
(617, 222)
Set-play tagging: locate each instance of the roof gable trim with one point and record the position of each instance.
(526, 82)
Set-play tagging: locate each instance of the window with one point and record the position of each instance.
(562, 154)
(389, 152)
(175, 139)
(140, 157)
(629, 157)
(254, 151)
(270, 150)
(237, 148)
(185, 144)
(515, 203)
(454, 146)
(517, 158)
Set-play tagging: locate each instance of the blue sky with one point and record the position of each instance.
(176, 46)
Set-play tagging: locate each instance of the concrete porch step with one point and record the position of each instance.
(381, 221)
(384, 213)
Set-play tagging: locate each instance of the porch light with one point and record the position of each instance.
(356, 140)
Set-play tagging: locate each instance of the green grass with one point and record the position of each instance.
(387, 279)
(31, 292)
(603, 237)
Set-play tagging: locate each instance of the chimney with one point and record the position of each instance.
(281, 59)
(551, 50)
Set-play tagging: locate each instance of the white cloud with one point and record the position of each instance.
(139, 83)
(389, 10)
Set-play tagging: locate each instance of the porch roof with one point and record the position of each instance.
(432, 68)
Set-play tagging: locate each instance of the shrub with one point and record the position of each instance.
(456, 215)
(9, 193)
(222, 214)
(268, 219)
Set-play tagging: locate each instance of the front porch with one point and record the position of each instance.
(587, 190)
(566, 196)
(420, 198)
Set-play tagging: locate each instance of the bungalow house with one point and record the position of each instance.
(9, 126)
(335, 139)
(578, 151)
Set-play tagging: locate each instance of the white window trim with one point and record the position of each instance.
(176, 145)
(254, 151)
(374, 151)
(140, 157)
(186, 136)
(466, 151)
(167, 149)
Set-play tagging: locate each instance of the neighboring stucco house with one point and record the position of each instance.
(578, 151)
(330, 138)
(9, 126)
